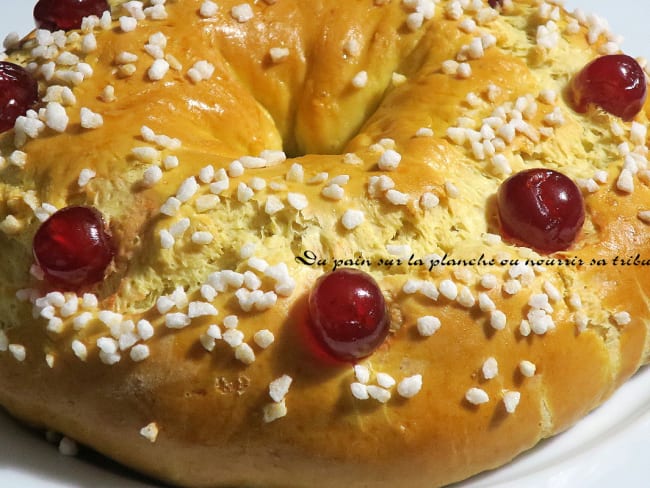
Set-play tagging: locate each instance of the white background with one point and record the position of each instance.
(611, 447)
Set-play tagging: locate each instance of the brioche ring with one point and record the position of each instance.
(232, 155)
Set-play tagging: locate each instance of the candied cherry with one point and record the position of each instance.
(541, 208)
(495, 3)
(616, 83)
(66, 14)
(18, 93)
(348, 314)
(73, 247)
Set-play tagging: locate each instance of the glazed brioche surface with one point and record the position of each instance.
(309, 136)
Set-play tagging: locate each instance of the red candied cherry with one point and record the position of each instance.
(495, 3)
(18, 93)
(616, 83)
(541, 208)
(73, 247)
(348, 314)
(66, 14)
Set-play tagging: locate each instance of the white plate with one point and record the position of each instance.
(610, 447)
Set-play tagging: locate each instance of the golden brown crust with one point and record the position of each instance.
(209, 406)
